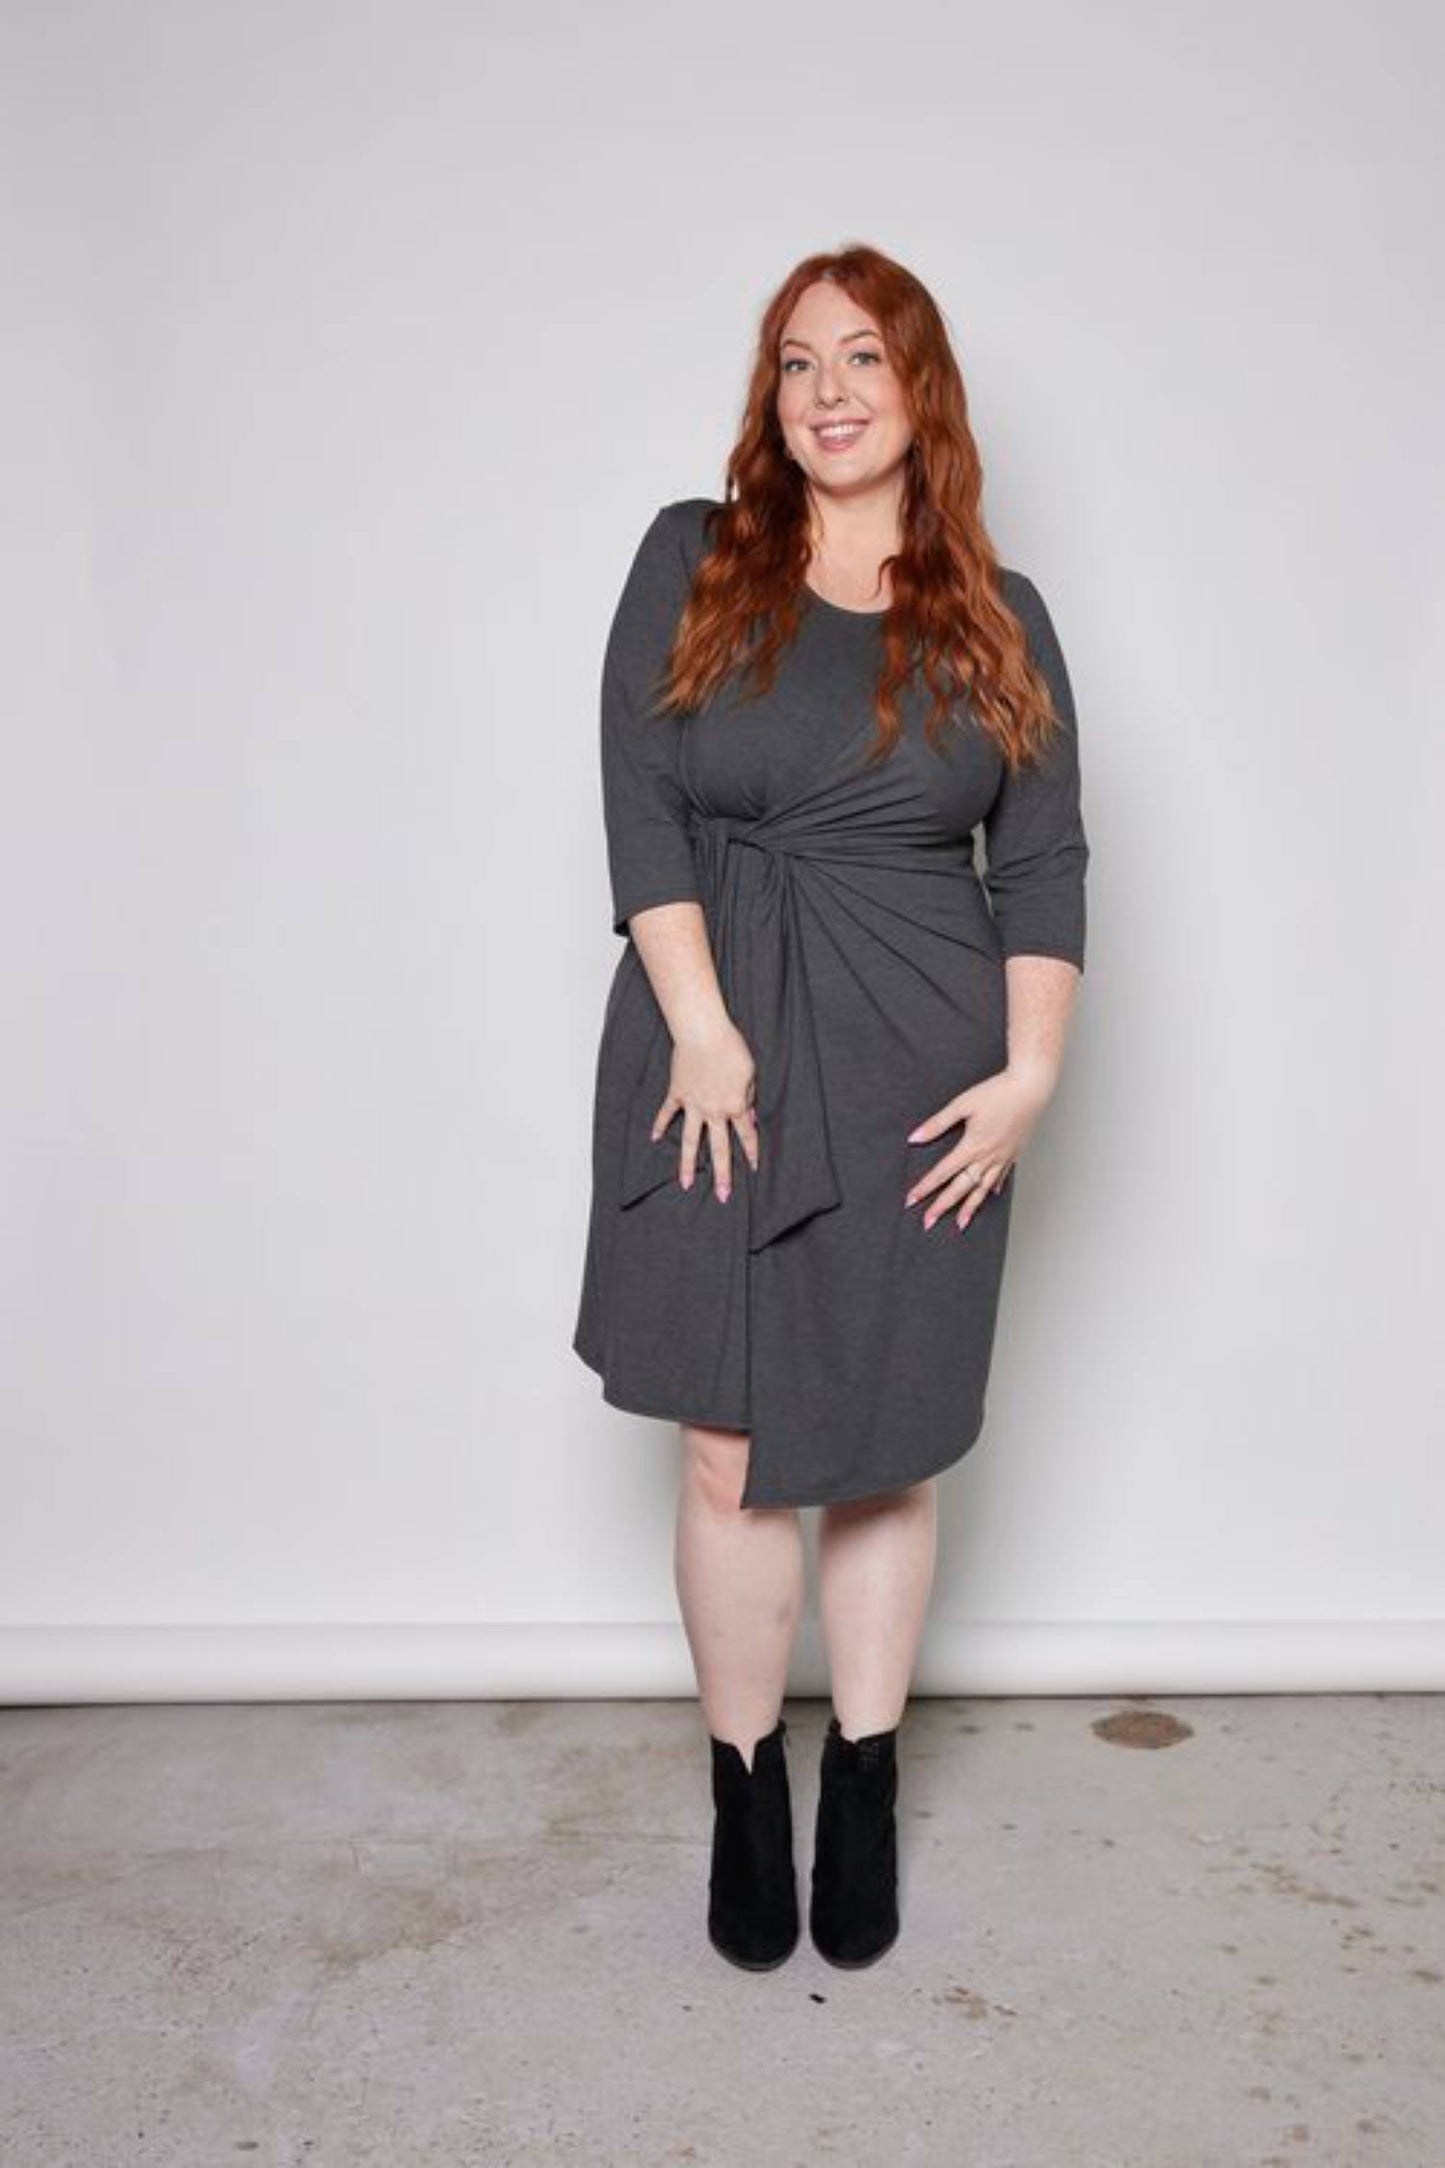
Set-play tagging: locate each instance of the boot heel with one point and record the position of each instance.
(853, 1914)
(753, 1917)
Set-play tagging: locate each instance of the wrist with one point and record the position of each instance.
(702, 1026)
(1035, 1072)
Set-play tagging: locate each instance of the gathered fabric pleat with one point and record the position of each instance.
(757, 876)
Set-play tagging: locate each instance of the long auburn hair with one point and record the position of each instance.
(947, 617)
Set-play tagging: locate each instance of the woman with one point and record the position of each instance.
(827, 1043)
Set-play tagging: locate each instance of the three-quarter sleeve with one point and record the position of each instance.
(1037, 850)
(649, 850)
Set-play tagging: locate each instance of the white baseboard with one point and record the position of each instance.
(585, 1661)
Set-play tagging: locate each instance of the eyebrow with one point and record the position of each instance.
(844, 341)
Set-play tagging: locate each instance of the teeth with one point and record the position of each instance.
(841, 429)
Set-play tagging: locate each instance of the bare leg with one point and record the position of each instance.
(875, 1570)
(741, 1581)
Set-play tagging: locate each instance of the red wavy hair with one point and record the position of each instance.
(947, 609)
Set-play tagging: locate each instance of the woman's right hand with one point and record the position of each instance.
(713, 1082)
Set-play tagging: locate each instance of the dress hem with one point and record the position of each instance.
(728, 1422)
(661, 1415)
(872, 1489)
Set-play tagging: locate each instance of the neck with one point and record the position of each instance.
(851, 535)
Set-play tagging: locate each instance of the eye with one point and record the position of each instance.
(793, 361)
(863, 354)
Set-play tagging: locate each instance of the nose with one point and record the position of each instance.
(829, 393)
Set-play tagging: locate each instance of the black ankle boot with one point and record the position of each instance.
(752, 1889)
(854, 1912)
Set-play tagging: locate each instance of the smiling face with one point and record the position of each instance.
(840, 403)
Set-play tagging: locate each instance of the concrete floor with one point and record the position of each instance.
(418, 1933)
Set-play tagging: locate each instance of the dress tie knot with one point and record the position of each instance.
(753, 922)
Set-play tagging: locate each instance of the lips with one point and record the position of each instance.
(838, 436)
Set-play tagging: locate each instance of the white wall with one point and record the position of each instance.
(348, 351)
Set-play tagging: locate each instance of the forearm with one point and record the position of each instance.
(672, 940)
(1041, 992)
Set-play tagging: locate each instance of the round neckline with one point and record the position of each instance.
(841, 608)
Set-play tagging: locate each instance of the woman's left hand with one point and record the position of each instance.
(1000, 1112)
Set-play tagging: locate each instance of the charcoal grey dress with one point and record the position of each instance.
(861, 955)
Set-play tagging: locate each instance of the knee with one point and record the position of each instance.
(715, 1465)
(911, 1498)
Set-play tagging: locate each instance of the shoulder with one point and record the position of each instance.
(1029, 607)
(670, 549)
(674, 538)
(659, 579)
(682, 528)
(1019, 591)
